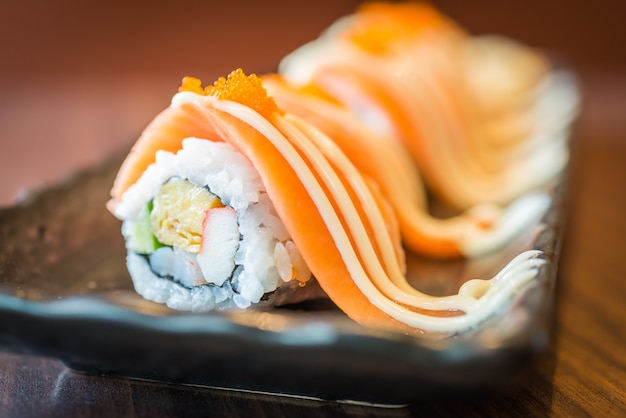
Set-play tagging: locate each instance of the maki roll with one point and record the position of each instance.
(201, 231)
(229, 202)
(477, 231)
(485, 118)
(213, 191)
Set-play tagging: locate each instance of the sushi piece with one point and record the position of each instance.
(486, 119)
(478, 231)
(201, 229)
(293, 184)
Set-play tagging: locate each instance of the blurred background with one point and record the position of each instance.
(79, 80)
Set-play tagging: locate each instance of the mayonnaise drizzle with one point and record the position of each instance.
(498, 290)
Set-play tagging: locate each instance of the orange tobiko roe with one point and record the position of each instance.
(379, 24)
(237, 87)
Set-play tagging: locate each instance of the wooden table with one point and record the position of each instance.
(79, 82)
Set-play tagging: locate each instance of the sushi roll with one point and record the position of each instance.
(228, 202)
(477, 231)
(485, 118)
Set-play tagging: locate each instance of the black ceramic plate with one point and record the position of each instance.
(65, 293)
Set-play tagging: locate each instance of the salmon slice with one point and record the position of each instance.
(340, 251)
(388, 164)
(165, 133)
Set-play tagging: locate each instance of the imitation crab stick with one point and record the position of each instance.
(332, 212)
(472, 110)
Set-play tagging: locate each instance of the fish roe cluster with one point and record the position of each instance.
(238, 87)
(379, 26)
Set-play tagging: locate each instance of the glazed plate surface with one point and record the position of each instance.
(65, 293)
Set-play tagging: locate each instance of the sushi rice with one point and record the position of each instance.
(245, 255)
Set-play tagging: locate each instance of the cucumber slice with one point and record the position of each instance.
(141, 239)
